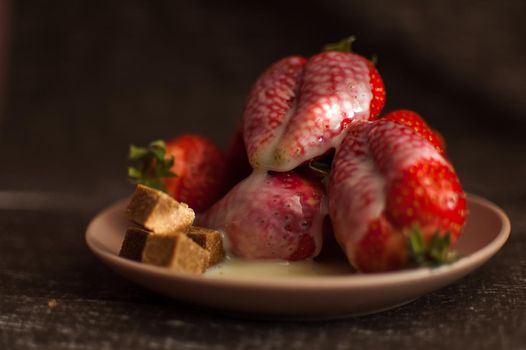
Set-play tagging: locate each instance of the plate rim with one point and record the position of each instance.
(355, 281)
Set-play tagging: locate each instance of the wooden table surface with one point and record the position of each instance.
(87, 80)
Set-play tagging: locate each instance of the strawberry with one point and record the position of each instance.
(190, 168)
(300, 108)
(415, 122)
(237, 165)
(271, 216)
(393, 198)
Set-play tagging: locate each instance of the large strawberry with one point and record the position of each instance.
(415, 122)
(271, 216)
(300, 108)
(190, 168)
(393, 198)
(237, 165)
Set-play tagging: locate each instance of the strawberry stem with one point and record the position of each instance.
(374, 59)
(430, 254)
(321, 167)
(343, 45)
(153, 167)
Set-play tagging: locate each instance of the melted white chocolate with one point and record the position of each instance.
(245, 269)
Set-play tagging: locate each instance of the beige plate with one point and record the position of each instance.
(319, 297)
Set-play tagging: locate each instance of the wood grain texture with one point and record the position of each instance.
(95, 309)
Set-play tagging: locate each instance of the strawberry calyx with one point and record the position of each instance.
(321, 170)
(374, 59)
(153, 166)
(433, 253)
(344, 45)
(321, 167)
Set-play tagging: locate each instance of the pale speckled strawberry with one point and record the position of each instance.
(298, 109)
(387, 181)
(271, 216)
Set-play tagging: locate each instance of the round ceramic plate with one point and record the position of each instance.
(307, 297)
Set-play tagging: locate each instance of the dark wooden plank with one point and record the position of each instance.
(44, 258)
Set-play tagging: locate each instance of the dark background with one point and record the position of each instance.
(87, 78)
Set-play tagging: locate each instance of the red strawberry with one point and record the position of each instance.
(271, 216)
(378, 90)
(300, 108)
(200, 168)
(393, 198)
(237, 165)
(190, 168)
(415, 122)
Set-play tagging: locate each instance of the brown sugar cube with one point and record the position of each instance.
(177, 252)
(133, 243)
(210, 240)
(158, 212)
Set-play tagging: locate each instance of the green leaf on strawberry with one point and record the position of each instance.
(153, 165)
(430, 254)
(343, 45)
(320, 166)
(374, 59)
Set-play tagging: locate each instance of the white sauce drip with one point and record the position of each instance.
(261, 269)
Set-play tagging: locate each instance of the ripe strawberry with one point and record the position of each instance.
(300, 108)
(393, 198)
(271, 216)
(415, 122)
(237, 165)
(190, 168)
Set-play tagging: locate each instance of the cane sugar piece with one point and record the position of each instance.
(209, 239)
(177, 252)
(159, 212)
(133, 244)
